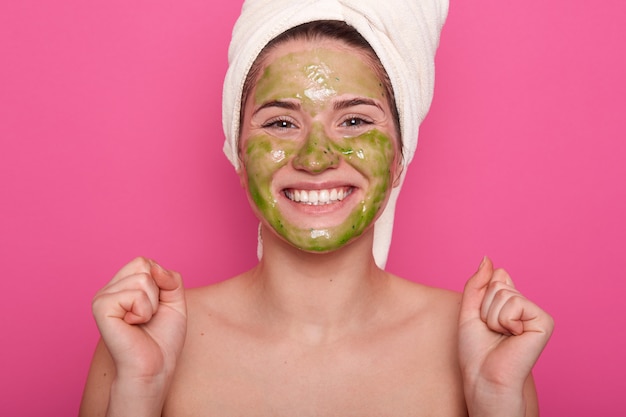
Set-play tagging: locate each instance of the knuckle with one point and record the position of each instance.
(99, 304)
(502, 275)
(507, 295)
(141, 262)
(141, 300)
(498, 287)
(494, 323)
(143, 280)
(517, 298)
(96, 303)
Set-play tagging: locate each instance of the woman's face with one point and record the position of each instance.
(318, 144)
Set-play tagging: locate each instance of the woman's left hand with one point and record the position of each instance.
(501, 335)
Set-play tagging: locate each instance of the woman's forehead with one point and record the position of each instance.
(305, 47)
(317, 64)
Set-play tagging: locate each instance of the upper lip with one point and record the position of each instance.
(326, 185)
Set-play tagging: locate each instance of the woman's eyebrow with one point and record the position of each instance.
(289, 105)
(344, 104)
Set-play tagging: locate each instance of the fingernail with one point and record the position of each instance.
(155, 264)
(482, 263)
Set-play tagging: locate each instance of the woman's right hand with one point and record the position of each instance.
(142, 317)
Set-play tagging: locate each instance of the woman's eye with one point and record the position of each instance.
(355, 122)
(280, 124)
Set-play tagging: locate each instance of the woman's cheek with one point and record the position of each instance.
(373, 155)
(264, 156)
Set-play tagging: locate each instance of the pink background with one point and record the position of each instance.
(111, 148)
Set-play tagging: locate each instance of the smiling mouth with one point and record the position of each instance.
(318, 197)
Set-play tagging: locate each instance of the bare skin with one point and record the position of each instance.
(310, 332)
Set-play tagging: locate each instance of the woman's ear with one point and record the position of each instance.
(399, 168)
(241, 172)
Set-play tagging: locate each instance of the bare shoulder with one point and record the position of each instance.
(425, 342)
(424, 300)
(220, 300)
(223, 309)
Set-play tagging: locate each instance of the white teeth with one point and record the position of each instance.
(318, 197)
(324, 196)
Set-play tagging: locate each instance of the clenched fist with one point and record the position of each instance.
(501, 335)
(142, 317)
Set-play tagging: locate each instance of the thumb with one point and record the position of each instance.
(170, 283)
(475, 290)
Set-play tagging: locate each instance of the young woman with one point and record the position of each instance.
(317, 328)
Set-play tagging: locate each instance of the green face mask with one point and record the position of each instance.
(342, 159)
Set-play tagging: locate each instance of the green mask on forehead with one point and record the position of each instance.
(313, 81)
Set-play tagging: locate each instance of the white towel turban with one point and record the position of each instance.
(403, 33)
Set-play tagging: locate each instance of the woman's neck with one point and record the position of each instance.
(318, 298)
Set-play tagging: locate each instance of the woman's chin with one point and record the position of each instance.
(319, 240)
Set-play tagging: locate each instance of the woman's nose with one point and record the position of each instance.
(316, 153)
